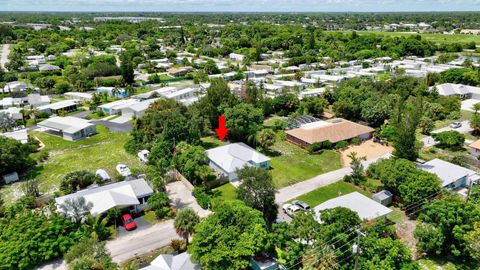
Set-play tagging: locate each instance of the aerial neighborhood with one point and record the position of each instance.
(237, 141)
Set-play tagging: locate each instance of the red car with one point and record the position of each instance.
(128, 222)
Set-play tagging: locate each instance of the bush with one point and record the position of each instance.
(449, 139)
(42, 157)
(178, 244)
(318, 146)
(341, 145)
(204, 196)
(78, 180)
(159, 204)
(356, 141)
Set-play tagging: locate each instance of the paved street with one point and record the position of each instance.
(141, 241)
(4, 55)
(114, 127)
(429, 141)
(293, 191)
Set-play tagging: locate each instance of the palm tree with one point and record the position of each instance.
(98, 226)
(185, 223)
(76, 209)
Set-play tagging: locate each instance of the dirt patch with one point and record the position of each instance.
(367, 149)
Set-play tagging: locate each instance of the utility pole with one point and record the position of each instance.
(356, 247)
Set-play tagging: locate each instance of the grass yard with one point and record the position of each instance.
(212, 142)
(228, 192)
(436, 38)
(292, 164)
(320, 195)
(442, 264)
(102, 151)
(150, 217)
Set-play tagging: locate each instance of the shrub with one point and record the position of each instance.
(449, 139)
(318, 146)
(178, 244)
(159, 204)
(341, 145)
(78, 180)
(356, 141)
(204, 196)
(43, 156)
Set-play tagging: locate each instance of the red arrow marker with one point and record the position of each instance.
(222, 130)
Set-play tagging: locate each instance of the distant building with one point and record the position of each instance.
(227, 159)
(16, 87)
(112, 91)
(116, 107)
(68, 105)
(179, 72)
(84, 97)
(14, 112)
(70, 128)
(460, 90)
(20, 135)
(236, 57)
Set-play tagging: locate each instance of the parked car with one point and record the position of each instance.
(301, 204)
(456, 125)
(291, 209)
(128, 222)
(123, 170)
(143, 156)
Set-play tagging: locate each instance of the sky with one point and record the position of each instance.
(240, 5)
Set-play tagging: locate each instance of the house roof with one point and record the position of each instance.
(20, 135)
(448, 89)
(173, 262)
(334, 131)
(68, 124)
(475, 145)
(59, 105)
(116, 195)
(235, 156)
(446, 171)
(366, 208)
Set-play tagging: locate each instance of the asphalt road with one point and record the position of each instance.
(114, 127)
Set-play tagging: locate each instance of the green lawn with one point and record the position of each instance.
(227, 192)
(104, 150)
(150, 217)
(436, 38)
(443, 264)
(212, 142)
(320, 195)
(292, 164)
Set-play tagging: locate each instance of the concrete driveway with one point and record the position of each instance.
(141, 225)
(139, 242)
(429, 141)
(181, 197)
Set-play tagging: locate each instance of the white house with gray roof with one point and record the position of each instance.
(452, 176)
(227, 159)
(460, 90)
(181, 261)
(69, 127)
(132, 194)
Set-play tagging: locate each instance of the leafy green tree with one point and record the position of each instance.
(6, 122)
(160, 204)
(191, 161)
(244, 121)
(126, 70)
(229, 237)
(89, 254)
(266, 138)
(258, 191)
(312, 106)
(405, 121)
(14, 157)
(77, 180)
(449, 139)
(285, 104)
(356, 165)
(426, 125)
(475, 121)
(185, 223)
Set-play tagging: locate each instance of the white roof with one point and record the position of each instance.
(119, 104)
(366, 208)
(79, 94)
(116, 195)
(59, 105)
(446, 171)
(448, 89)
(68, 124)
(20, 135)
(172, 262)
(235, 156)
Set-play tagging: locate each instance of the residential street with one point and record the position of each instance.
(429, 141)
(141, 241)
(293, 191)
(4, 55)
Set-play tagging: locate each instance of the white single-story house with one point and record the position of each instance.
(236, 57)
(69, 127)
(79, 95)
(132, 194)
(181, 261)
(138, 109)
(366, 208)
(474, 149)
(452, 176)
(315, 92)
(116, 107)
(64, 105)
(14, 112)
(48, 67)
(36, 100)
(460, 90)
(227, 159)
(20, 135)
(16, 87)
